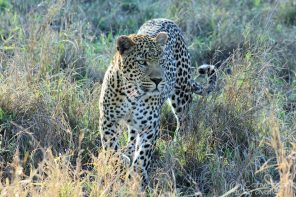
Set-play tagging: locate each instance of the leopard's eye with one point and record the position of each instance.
(142, 62)
(161, 61)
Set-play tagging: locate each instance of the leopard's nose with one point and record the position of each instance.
(156, 80)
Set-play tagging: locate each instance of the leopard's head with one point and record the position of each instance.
(141, 60)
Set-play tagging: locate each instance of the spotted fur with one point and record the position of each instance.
(149, 68)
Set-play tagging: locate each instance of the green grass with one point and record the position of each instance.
(240, 139)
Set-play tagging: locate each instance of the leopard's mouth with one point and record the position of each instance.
(152, 87)
(149, 89)
(155, 89)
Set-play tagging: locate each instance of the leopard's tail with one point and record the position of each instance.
(210, 71)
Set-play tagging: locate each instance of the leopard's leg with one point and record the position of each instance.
(109, 134)
(111, 112)
(185, 86)
(144, 149)
(130, 149)
(180, 102)
(147, 127)
(182, 93)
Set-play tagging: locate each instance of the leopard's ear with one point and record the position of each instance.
(161, 38)
(124, 43)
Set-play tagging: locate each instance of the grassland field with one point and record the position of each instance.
(241, 138)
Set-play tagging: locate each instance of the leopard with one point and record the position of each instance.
(148, 69)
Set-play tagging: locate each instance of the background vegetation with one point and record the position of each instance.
(241, 140)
